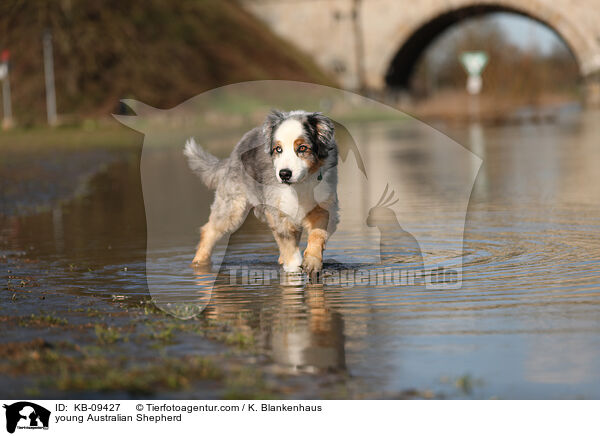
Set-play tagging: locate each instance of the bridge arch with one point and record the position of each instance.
(400, 56)
(357, 41)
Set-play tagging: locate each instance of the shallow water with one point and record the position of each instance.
(523, 324)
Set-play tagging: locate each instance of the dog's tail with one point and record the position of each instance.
(202, 163)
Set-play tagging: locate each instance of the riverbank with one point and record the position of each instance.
(160, 52)
(457, 107)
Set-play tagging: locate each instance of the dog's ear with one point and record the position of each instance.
(274, 119)
(322, 130)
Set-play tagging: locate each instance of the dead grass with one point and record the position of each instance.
(161, 52)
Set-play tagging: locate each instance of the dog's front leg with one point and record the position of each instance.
(289, 253)
(287, 236)
(315, 223)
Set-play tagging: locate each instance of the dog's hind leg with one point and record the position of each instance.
(226, 216)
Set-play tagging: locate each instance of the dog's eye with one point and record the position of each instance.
(277, 149)
(302, 148)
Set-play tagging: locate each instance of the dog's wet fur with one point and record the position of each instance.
(286, 171)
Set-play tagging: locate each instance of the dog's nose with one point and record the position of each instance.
(285, 174)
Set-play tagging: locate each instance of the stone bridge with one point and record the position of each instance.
(370, 44)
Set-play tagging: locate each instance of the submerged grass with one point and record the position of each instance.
(68, 367)
(41, 320)
(100, 374)
(108, 335)
(129, 357)
(87, 371)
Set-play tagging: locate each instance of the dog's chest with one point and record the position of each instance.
(296, 202)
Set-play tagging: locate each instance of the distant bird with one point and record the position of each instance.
(396, 245)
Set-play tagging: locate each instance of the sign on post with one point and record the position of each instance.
(474, 62)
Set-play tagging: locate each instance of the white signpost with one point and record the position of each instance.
(49, 78)
(6, 103)
(474, 62)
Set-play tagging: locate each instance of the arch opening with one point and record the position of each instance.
(401, 69)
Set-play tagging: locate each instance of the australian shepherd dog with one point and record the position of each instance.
(286, 171)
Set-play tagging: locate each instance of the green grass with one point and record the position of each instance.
(108, 134)
(108, 335)
(42, 320)
(164, 335)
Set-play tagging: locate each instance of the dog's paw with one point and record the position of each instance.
(291, 268)
(312, 264)
(199, 262)
(293, 263)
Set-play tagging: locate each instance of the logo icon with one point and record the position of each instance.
(26, 415)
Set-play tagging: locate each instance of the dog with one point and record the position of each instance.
(286, 171)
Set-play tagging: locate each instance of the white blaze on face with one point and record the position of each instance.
(285, 136)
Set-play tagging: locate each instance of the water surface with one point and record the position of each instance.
(524, 323)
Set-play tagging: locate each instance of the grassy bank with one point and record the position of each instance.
(89, 134)
(458, 107)
(157, 51)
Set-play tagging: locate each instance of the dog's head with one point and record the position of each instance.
(299, 142)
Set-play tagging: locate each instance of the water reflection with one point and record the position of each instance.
(295, 325)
